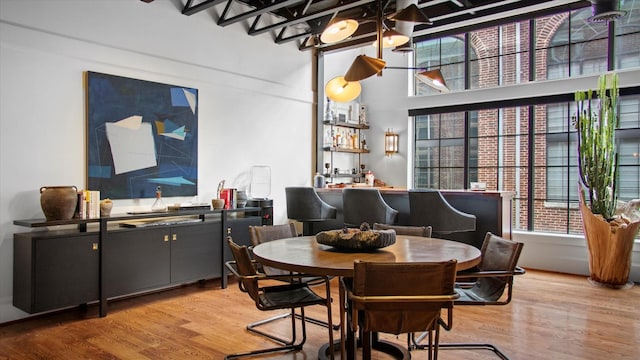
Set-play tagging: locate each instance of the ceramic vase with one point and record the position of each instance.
(58, 202)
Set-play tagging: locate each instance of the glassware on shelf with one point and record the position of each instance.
(158, 204)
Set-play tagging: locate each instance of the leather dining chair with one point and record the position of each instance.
(486, 284)
(291, 295)
(424, 231)
(399, 298)
(427, 207)
(361, 205)
(261, 234)
(304, 205)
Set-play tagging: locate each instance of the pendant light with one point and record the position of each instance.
(340, 90)
(338, 30)
(392, 38)
(363, 67)
(434, 79)
(605, 11)
(411, 13)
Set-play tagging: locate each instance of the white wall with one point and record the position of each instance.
(255, 99)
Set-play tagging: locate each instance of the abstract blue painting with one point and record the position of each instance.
(141, 134)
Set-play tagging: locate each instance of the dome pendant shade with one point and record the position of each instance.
(363, 67)
(392, 38)
(338, 30)
(434, 79)
(340, 90)
(411, 13)
(605, 11)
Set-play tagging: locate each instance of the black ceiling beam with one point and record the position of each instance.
(255, 30)
(255, 12)
(192, 9)
(281, 38)
(522, 16)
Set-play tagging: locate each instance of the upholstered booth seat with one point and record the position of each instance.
(366, 205)
(429, 208)
(304, 205)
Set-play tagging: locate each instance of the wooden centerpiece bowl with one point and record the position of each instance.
(357, 239)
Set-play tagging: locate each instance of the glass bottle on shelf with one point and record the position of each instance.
(158, 204)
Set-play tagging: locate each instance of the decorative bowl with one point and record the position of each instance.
(357, 240)
(217, 203)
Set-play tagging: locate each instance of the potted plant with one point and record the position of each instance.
(609, 233)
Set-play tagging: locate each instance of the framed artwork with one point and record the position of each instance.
(141, 135)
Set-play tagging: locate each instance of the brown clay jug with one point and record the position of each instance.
(58, 202)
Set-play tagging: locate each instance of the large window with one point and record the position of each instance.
(529, 149)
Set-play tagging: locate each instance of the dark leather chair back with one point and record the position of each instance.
(429, 208)
(248, 280)
(260, 234)
(304, 204)
(366, 205)
(407, 287)
(494, 273)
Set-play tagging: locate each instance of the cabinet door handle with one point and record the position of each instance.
(229, 231)
(166, 238)
(174, 237)
(94, 246)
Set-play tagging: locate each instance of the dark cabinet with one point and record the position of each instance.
(64, 268)
(54, 270)
(138, 260)
(195, 252)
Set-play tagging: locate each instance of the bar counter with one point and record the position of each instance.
(493, 210)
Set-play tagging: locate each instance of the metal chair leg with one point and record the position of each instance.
(253, 328)
(460, 346)
(290, 346)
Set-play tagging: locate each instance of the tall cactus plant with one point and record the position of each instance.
(597, 119)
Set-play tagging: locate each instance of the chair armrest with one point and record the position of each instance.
(490, 273)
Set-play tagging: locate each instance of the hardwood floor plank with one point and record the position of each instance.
(552, 316)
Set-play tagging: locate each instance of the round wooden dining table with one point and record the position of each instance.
(304, 255)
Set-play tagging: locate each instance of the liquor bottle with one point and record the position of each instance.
(158, 204)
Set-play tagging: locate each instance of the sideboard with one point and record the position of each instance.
(73, 262)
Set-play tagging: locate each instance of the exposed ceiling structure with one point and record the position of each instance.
(303, 21)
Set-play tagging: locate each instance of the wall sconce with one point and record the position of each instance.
(390, 143)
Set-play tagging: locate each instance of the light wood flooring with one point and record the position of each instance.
(552, 316)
